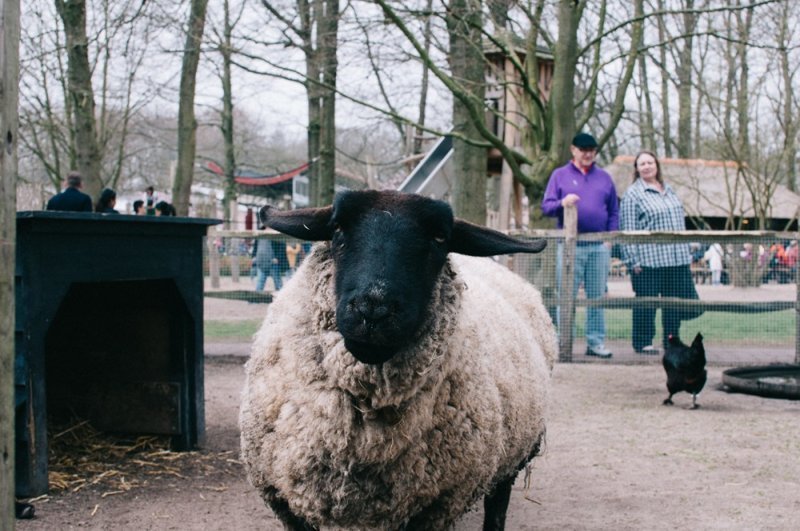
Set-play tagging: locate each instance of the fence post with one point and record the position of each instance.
(233, 253)
(9, 95)
(213, 257)
(797, 315)
(566, 302)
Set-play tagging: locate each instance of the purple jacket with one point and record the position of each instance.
(598, 209)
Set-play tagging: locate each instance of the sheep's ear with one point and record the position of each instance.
(474, 240)
(305, 223)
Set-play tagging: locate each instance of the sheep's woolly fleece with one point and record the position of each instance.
(415, 440)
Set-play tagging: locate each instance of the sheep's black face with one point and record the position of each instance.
(388, 258)
(388, 249)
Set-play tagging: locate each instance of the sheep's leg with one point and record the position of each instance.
(295, 523)
(291, 522)
(495, 506)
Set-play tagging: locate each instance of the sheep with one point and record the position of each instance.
(393, 384)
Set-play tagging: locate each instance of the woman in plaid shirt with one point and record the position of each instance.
(655, 268)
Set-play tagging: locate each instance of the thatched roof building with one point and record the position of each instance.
(716, 195)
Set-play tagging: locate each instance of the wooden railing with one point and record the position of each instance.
(568, 238)
(544, 275)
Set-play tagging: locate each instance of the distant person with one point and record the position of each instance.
(150, 201)
(791, 259)
(107, 202)
(280, 265)
(292, 254)
(71, 199)
(713, 257)
(138, 208)
(264, 260)
(583, 184)
(656, 269)
(164, 209)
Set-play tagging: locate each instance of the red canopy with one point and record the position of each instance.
(261, 180)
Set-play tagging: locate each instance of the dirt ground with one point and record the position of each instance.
(615, 459)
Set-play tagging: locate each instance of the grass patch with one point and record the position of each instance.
(767, 328)
(221, 330)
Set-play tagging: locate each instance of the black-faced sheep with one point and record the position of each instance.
(392, 385)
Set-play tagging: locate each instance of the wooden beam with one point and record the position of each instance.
(9, 81)
(566, 311)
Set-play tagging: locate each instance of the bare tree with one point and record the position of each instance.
(120, 37)
(81, 93)
(423, 97)
(327, 45)
(665, 78)
(464, 25)
(549, 145)
(315, 26)
(788, 114)
(187, 125)
(684, 81)
(223, 37)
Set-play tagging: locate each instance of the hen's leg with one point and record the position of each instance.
(668, 401)
(695, 405)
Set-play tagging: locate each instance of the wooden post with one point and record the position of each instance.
(234, 243)
(9, 81)
(233, 254)
(213, 257)
(566, 302)
(797, 315)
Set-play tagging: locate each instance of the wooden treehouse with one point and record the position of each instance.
(506, 103)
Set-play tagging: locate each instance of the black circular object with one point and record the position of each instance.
(772, 381)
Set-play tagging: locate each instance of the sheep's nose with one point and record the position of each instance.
(371, 307)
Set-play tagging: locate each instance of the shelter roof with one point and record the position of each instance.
(712, 188)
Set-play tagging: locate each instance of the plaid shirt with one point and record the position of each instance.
(645, 208)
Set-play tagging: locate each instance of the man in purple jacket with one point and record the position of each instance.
(581, 183)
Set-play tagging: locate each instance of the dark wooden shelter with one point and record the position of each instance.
(109, 328)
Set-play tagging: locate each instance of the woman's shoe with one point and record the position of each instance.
(649, 350)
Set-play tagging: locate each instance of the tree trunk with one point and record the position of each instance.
(684, 71)
(646, 125)
(562, 96)
(81, 95)
(789, 114)
(467, 65)
(187, 125)
(327, 35)
(423, 97)
(9, 86)
(229, 165)
(744, 22)
(665, 113)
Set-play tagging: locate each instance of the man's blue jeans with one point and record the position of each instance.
(274, 272)
(592, 262)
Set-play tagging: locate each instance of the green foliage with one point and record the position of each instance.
(221, 330)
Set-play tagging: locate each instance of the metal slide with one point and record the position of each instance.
(430, 177)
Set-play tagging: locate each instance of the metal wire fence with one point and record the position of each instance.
(749, 306)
